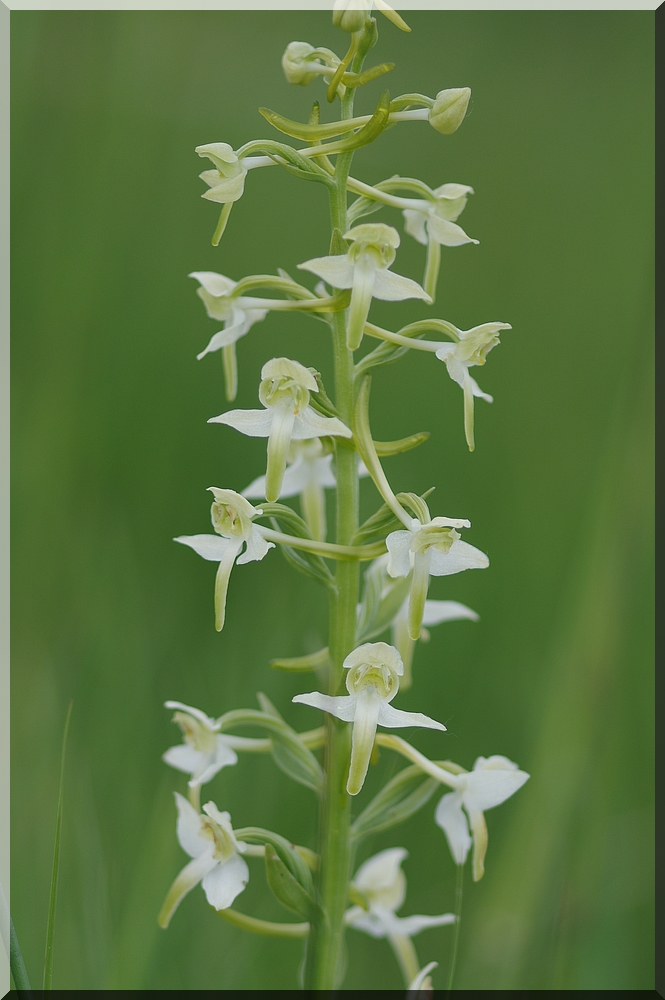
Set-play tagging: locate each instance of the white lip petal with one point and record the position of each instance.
(211, 547)
(367, 713)
(336, 270)
(224, 756)
(342, 707)
(453, 822)
(381, 871)
(393, 718)
(460, 556)
(224, 882)
(229, 335)
(253, 423)
(190, 876)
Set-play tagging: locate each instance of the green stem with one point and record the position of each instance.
(323, 970)
(459, 884)
(265, 927)
(50, 926)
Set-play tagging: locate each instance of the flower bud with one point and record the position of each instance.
(449, 109)
(350, 15)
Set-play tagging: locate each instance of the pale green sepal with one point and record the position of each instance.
(266, 927)
(302, 664)
(380, 524)
(403, 796)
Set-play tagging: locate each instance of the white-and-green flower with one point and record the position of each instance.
(232, 518)
(226, 181)
(205, 751)
(216, 863)
(433, 224)
(381, 885)
(492, 781)
(374, 671)
(365, 270)
(430, 548)
(471, 349)
(302, 63)
(287, 416)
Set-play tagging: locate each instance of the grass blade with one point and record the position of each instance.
(50, 926)
(17, 964)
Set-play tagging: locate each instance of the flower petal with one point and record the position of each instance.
(477, 391)
(310, 424)
(257, 547)
(381, 873)
(222, 581)
(410, 926)
(418, 594)
(342, 707)
(368, 708)
(253, 423)
(201, 716)
(393, 287)
(224, 882)
(414, 224)
(215, 284)
(364, 274)
(448, 234)
(188, 828)
(459, 557)
(488, 788)
(370, 923)
(279, 439)
(224, 756)
(336, 270)
(453, 822)
(210, 547)
(399, 548)
(184, 758)
(437, 612)
(393, 718)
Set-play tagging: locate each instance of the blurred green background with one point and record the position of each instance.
(112, 456)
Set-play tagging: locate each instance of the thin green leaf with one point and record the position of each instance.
(17, 965)
(314, 661)
(360, 79)
(50, 926)
(286, 888)
(408, 792)
(402, 445)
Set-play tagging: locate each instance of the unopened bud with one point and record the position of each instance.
(350, 15)
(449, 109)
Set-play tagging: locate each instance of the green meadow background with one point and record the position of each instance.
(112, 457)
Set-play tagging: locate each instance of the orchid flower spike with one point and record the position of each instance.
(285, 392)
(232, 519)
(374, 671)
(216, 863)
(381, 885)
(492, 781)
(434, 226)
(365, 270)
(226, 182)
(204, 751)
(429, 548)
(215, 293)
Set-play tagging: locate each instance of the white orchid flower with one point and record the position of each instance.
(232, 519)
(285, 392)
(381, 884)
(302, 63)
(365, 269)
(216, 863)
(204, 751)
(434, 613)
(374, 671)
(309, 471)
(422, 983)
(431, 548)
(471, 349)
(492, 781)
(433, 224)
(238, 318)
(226, 182)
